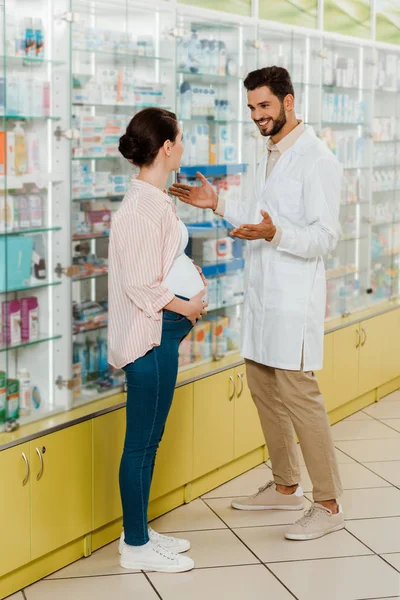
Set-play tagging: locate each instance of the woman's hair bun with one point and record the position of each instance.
(146, 134)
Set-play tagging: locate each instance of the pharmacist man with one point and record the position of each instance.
(291, 222)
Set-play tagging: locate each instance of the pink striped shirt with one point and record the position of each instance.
(145, 235)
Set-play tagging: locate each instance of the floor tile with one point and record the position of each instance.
(244, 485)
(102, 562)
(17, 596)
(353, 476)
(381, 535)
(393, 559)
(372, 503)
(235, 583)
(389, 470)
(195, 516)
(393, 396)
(123, 587)
(339, 578)
(384, 409)
(362, 430)
(358, 416)
(365, 451)
(253, 518)
(393, 423)
(270, 545)
(218, 548)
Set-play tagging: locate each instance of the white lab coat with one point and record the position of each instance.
(285, 291)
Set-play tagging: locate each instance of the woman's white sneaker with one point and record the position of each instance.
(153, 557)
(177, 545)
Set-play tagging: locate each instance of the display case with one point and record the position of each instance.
(73, 74)
(34, 194)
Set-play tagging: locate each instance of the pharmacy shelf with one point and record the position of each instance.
(35, 286)
(29, 118)
(345, 89)
(41, 340)
(113, 157)
(17, 182)
(89, 236)
(343, 124)
(386, 223)
(86, 277)
(209, 76)
(223, 267)
(117, 198)
(213, 121)
(77, 330)
(239, 302)
(127, 56)
(213, 170)
(32, 230)
(137, 106)
(31, 61)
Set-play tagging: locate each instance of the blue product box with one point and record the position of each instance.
(15, 269)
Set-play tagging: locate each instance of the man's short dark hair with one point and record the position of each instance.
(276, 78)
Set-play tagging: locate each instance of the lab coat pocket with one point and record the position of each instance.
(289, 194)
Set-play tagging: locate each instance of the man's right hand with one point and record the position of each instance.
(203, 196)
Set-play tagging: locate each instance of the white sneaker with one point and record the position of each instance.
(268, 498)
(172, 544)
(153, 557)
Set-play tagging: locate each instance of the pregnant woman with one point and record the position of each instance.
(155, 298)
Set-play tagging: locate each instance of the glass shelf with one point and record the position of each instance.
(35, 286)
(97, 157)
(89, 329)
(211, 120)
(118, 198)
(76, 237)
(120, 105)
(44, 338)
(28, 118)
(343, 124)
(229, 266)
(86, 277)
(209, 76)
(213, 170)
(122, 55)
(30, 60)
(33, 230)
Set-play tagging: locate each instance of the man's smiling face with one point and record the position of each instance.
(266, 110)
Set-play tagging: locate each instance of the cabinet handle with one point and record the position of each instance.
(364, 336)
(234, 388)
(38, 476)
(358, 338)
(25, 481)
(240, 377)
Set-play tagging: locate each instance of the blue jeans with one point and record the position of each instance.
(151, 383)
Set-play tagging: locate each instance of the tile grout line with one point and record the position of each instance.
(375, 553)
(23, 594)
(368, 469)
(254, 554)
(152, 585)
(379, 487)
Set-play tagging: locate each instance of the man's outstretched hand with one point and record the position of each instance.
(265, 230)
(202, 196)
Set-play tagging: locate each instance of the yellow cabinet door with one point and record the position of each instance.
(326, 376)
(346, 353)
(371, 356)
(390, 345)
(108, 443)
(15, 528)
(61, 488)
(174, 462)
(248, 433)
(213, 422)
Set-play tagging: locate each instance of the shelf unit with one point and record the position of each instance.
(97, 72)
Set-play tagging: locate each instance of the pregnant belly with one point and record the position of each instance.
(183, 278)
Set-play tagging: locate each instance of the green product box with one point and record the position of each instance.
(3, 397)
(12, 410)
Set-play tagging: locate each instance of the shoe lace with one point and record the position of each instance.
(159, 536)
(310, 516)
(164, 552)
(263, 488)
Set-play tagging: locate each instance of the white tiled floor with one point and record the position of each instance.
(244, 556)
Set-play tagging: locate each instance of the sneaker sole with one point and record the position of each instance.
(312, 536)
(143, 567)
(176, 549)
(277, 507)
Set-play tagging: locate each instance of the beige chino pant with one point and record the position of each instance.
(290, 402)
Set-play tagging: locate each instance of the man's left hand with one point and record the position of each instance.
(265, 230)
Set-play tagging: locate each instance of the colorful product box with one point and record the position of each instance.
(202, 341)
(11, 318)
(12, 409)
(219, 343)
(30, 319)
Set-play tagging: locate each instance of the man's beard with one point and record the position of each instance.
(279, 123)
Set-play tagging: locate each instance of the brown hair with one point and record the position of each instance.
(276, 78)
(146, 134)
